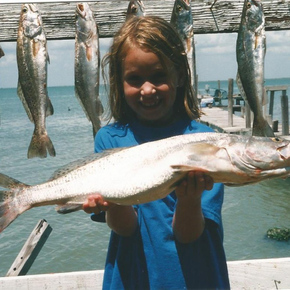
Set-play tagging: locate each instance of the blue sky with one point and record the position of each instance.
(215, 57)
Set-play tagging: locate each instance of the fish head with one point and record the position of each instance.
(181, 18)
(135, 8)
(85, 22)
(30, 20)
(254, 16)
(267, 153)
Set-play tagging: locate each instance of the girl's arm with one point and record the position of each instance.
(121, 219)
(188, 221)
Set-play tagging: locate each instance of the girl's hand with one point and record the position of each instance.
(193, 185)
(95, 204)
(122, 219)
(188, 221)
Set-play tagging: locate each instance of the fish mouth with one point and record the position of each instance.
(81, 9)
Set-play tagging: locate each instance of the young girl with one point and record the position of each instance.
(175, 242)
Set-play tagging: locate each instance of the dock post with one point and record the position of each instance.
(285, 113)
(30, 250)
(230, 102)
(248, 114)
(271, 105)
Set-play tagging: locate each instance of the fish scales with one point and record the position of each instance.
(32, 58)
(250, 51)
(150, 171)
(87, 65)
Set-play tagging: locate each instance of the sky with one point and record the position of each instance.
(215, 58)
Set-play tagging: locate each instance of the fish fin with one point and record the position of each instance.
(39, 146)
(201, 148)
(22, 98)
(9, 182)
(49, 107)
(186, 168)
(262, 128)
(89, 53)
(10, 208)
(68, 208)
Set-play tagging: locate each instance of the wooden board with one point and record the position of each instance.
(224, 17)
(248, 274)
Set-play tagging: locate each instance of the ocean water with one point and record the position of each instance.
(76, 243)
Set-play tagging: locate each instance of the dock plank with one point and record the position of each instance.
(217, 118)
(247, 274)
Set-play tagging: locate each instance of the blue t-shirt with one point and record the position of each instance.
(152, 258)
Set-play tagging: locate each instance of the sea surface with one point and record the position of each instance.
(76, 243)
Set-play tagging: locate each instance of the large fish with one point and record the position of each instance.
(1, 52)
(32, 58)
(135, 8)
(250, 51)
(150, 171)
(181, 19)
(87, 64)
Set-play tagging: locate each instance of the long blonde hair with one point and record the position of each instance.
(154, 34)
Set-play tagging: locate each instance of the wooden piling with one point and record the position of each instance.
(230, 102)
(30, 250)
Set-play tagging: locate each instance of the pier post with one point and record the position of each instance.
(285, 113)
(248, 114)
(230, 102)
(271, 105)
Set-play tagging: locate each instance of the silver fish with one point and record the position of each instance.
(87, 65)
(250, 51)
(1, 52)
(150, 171)
(181, 19)
(135, 8)
(32, 58)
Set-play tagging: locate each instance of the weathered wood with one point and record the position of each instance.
(248, 274)
(230, 102)
(285, 113)
(30, 250)
(284, 105)
(59, 18)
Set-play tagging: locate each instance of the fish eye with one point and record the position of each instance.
(24, 10)
(249, 5)
(178, 8)
(276, 139)
(134, 9)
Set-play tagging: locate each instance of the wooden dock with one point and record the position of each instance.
(223, 119)
(217, 118)
(247, 274)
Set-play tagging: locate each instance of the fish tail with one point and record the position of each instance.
(39, 146)
(10, 208)
(262, 128)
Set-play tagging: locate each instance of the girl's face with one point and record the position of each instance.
(149, 89)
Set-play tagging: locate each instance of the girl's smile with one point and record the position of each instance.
(149, 88)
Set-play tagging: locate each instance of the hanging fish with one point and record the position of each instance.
(181, 19)
(250, 50)
(135, 8)
(87, 65)
(32, 58)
